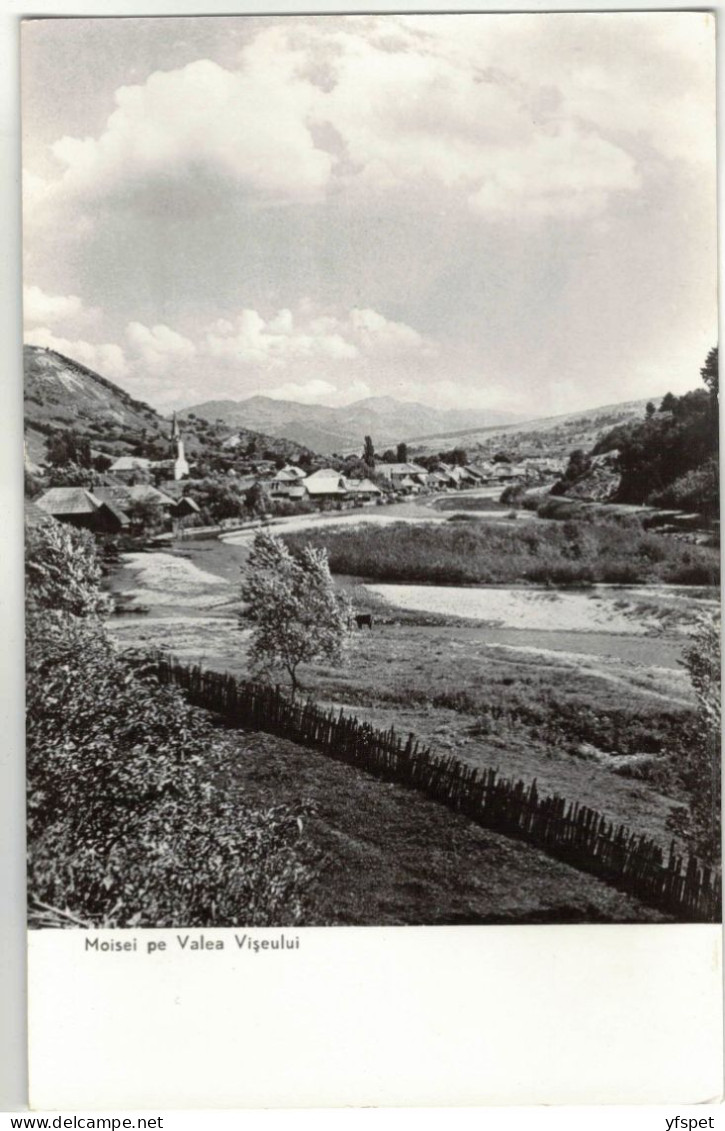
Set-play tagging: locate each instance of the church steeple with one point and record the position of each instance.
(181, 467)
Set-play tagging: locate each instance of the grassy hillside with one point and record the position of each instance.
(553, 436)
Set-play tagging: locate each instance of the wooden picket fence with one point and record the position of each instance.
(580, 836)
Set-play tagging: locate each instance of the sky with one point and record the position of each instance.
(510, 212)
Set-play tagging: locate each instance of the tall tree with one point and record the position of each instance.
(369, 452)
(709, 373)
(402, 453)
(297, 615)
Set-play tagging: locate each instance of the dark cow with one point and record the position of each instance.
(363, 620)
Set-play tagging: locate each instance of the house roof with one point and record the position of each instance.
(130, 463)
(122, 496)
(324, 473)
(325, 485)
(362, 486)
(68, 500)
(34, 515)
(77, 500)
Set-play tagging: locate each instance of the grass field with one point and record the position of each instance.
(389, 856)
(594, 715)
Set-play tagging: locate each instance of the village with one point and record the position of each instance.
(141, 497)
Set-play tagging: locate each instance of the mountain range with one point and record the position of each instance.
(325, 429)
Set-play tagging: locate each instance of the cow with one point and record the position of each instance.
(363, 620)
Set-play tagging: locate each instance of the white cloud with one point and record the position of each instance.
(501, 113)
(107, 359)
(287, 339)
(159, 346)
(376, 334)
(50, 309)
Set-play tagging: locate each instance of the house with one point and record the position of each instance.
(397, 473)
(124, 496)
(130, 466)
(362, 490)
(80, 507)
(325, 484)
(285, 484)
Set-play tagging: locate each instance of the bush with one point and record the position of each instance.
(126, 826)
(699, 759)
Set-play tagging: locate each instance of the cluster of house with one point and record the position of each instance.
(127, 504)
(110, 510)
(404, 479)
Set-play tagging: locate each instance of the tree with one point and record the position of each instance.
(62, 571)
(710, 374)
(369, 452)
(68, 447)
(700, 769)
(650, 409)
(256, 500)
(291, 601)
(145, 514)
(402, 453)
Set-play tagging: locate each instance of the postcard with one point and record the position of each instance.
(372, 559)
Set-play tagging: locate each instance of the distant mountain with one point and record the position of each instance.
(61, 393)
(387, 420)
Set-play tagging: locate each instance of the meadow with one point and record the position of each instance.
(481, 553)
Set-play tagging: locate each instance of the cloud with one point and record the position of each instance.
(157, 347)
(50, 309)
(286, 339)
(502, 114)
(108, 359)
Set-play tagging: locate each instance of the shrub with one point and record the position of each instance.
(125, 826)
(699, 759)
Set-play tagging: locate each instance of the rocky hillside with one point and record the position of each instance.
(61, 393)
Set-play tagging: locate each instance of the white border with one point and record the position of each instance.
(644, 1014)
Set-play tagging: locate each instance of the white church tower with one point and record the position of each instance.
(181, 467)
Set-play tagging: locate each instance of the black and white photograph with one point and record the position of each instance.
(371, 472)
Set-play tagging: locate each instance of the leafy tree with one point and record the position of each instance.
(256, 500)
(62, 571)
(126, 826)
(217, 498)
(402, 453)
(710, 374)
(369, 452)
(389, 456)
(297, 614)
(145, 514)
(67, 446)
(650, 409)
(698, 824)
(669, 403)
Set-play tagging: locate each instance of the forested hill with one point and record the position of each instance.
(670, 458)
